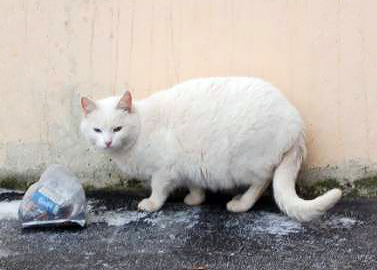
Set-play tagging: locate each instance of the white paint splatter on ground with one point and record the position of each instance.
(276, 224)
(337, 222)
(279, 224)
(164, 220)
(264, 223)
(9, 210)
(117, 218)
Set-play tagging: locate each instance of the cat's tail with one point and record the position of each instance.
(285, 193)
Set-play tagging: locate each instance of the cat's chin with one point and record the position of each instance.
(107, 149)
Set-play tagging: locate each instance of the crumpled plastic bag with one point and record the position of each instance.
(57, 199)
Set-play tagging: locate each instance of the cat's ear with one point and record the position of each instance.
(87, 105)
(125, 102)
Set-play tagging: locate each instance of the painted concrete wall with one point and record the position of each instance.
(322, 54)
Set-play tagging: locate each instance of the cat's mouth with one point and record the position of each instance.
(105, 148)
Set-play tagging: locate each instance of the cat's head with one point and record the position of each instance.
(110, 124)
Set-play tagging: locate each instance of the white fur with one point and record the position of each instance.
(215, 133)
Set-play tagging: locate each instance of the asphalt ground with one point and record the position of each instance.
(195, 238)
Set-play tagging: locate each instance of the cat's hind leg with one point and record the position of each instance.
(244, 202)
(195, 197)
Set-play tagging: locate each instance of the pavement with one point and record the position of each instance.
(194, 238)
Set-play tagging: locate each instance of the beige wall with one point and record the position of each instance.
(322, 54)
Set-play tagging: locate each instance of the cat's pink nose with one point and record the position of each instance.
(108, 144)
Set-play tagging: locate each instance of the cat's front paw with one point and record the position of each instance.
(148, 205)
(237, 205)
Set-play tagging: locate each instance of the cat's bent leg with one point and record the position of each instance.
(162, 185)
(247, 200)
(196, 196)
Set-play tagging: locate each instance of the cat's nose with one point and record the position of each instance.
(108, 144)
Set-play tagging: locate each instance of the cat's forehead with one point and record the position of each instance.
(106, 113)
(108, 104)
(108, 107)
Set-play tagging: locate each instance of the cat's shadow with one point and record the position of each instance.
(129, 200)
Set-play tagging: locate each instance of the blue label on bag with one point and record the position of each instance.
(45, 203)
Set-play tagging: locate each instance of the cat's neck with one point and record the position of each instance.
(150, 114)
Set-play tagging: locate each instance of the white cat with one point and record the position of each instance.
(214, 133)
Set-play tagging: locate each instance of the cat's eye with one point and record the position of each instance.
(97, 130)
(117, 129)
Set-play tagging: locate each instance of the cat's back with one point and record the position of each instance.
(224, 97)
(217, 88)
